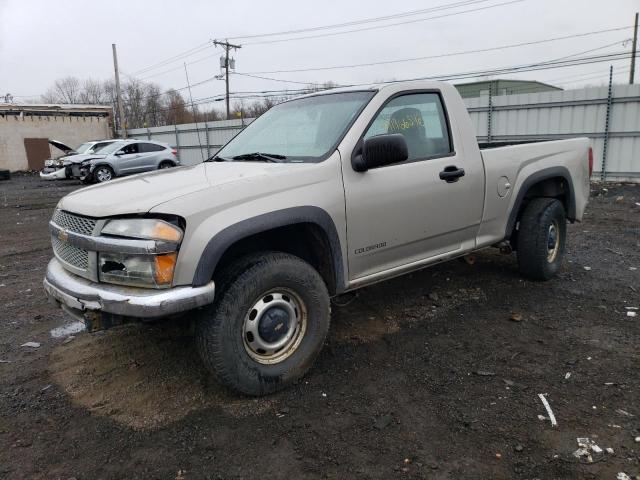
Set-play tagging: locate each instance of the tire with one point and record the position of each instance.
(102, 173)
(252, 294)
(541, 238)
(87, 179)
(164, 165)
(5, 175)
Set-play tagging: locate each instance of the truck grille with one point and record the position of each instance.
(74, 256)
(74, 223)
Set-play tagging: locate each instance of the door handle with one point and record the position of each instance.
(451, 174)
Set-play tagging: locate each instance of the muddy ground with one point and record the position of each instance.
(425, 376)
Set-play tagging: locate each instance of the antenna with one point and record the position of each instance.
(195, 113)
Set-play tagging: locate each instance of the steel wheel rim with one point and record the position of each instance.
(103, 175)
(274, 326)
(553, 242)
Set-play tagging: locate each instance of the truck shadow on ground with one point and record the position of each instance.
(148, 376)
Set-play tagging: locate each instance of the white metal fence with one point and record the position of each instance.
(609, 117)
(195, 142)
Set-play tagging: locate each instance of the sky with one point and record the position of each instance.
(43, 40)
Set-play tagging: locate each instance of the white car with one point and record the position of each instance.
(55, 169)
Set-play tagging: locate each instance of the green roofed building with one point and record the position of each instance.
(503, 87)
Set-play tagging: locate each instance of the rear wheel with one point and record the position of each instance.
(103, 173)
(268, 324)
(541, 238)
(164, 165)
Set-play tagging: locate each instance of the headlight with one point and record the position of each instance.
(141, 270)
(154, 271)
(146, 228)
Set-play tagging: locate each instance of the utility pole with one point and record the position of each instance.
(227, 46)
(633, 51)
(123, 125)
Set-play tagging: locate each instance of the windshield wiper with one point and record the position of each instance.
(216, 158)
(266, 157)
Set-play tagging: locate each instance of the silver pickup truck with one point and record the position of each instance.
(319, 196)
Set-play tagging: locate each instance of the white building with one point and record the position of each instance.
(25, 130)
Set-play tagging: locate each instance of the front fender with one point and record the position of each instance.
(220, 242)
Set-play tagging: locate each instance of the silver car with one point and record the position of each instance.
(123, 157)
(54, 168)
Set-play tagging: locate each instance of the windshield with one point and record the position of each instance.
(303, 130)
(84, 148)
(98, 147)
(112, 147)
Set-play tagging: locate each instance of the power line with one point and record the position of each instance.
(375, 27)
(175, 58)
(362, 21)
(582, 75)
(450, 54)
(273, 79)
(603, 75)
(545, 65)
(464, 75)
(179, 67)
(337, 67)
(528, 67)
(244, 95)
(202, 47)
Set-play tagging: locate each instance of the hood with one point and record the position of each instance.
(225, 183)
(135, 194)
(81, 157)
(61, 146)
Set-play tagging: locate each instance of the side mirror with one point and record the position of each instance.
(120, 153)
(381, 150)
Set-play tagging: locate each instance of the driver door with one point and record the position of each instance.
(128, 158)
(404, 214)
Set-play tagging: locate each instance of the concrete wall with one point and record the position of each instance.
(70, 130)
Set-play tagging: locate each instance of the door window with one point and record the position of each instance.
(150, 147)
(420, 118)
(131, 148)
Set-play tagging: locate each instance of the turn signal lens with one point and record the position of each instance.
(165, 265)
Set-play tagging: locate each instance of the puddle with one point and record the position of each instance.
(67, 329)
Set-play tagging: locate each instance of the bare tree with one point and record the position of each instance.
(146, 104)
(176, 108)
(64, 90)
(93, 92)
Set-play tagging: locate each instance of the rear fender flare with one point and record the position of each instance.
(530, 181)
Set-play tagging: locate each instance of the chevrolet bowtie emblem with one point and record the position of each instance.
(63, 235)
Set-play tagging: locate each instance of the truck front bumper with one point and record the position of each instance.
(83, 298)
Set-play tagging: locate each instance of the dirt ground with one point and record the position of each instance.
(427, 376)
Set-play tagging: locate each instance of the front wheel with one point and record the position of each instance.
(103, 173)
(267, 325)
(541, 238)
